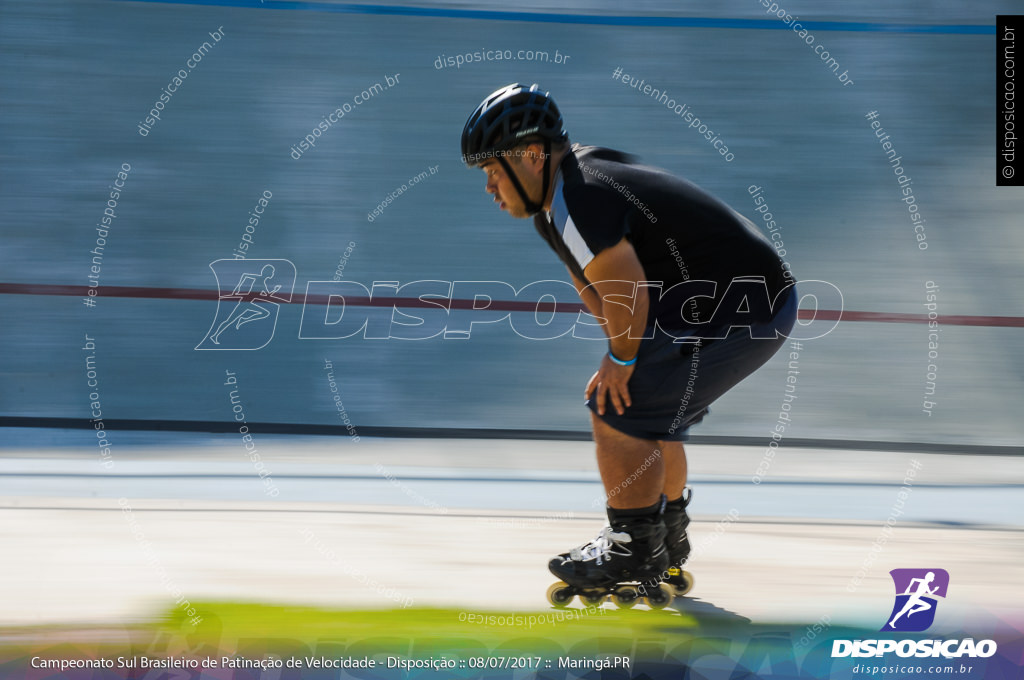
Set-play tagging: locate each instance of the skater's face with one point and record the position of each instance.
(528, 166)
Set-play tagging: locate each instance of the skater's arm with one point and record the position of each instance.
(590, 299)
(616, 273)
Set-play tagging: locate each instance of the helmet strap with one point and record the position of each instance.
(531, 207)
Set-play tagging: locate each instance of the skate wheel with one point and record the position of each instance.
(592, 599)
(680, 580)
(560, 594)
(625, 597)
(659, 597)
(687, 584)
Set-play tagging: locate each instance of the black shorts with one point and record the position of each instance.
(675, 382)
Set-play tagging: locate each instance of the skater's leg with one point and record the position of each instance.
(632, 546)
(677, 541)
(675, 468)
(633, 470)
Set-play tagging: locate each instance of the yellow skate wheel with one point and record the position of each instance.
(680, 581)
(560, 594)
(687, 586)
(592, 598)
(659, 597)
(624, 597)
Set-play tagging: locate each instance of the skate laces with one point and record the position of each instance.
(599, 548)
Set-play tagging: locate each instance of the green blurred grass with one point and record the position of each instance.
(234, 620)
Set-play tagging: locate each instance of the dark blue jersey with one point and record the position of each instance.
(680, 233)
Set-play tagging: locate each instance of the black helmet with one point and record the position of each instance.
(507, 117)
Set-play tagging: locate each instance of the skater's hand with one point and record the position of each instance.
(611, 382)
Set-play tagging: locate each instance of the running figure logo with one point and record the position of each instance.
(916, 590)
(247, 315)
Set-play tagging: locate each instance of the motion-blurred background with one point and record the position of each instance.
(79, 78)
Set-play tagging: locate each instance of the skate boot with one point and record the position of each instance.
(677, 543)
(626, 561)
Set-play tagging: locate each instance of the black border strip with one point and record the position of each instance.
(218, 427)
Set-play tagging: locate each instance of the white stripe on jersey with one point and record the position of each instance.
(574, 241)
(571, 236)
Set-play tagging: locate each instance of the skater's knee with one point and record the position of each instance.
(605, 434)
(671, 447)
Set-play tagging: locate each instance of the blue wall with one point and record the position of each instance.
(78, 78)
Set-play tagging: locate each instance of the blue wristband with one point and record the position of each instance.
(620, 362)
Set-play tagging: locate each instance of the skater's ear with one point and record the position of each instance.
(530, 157)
